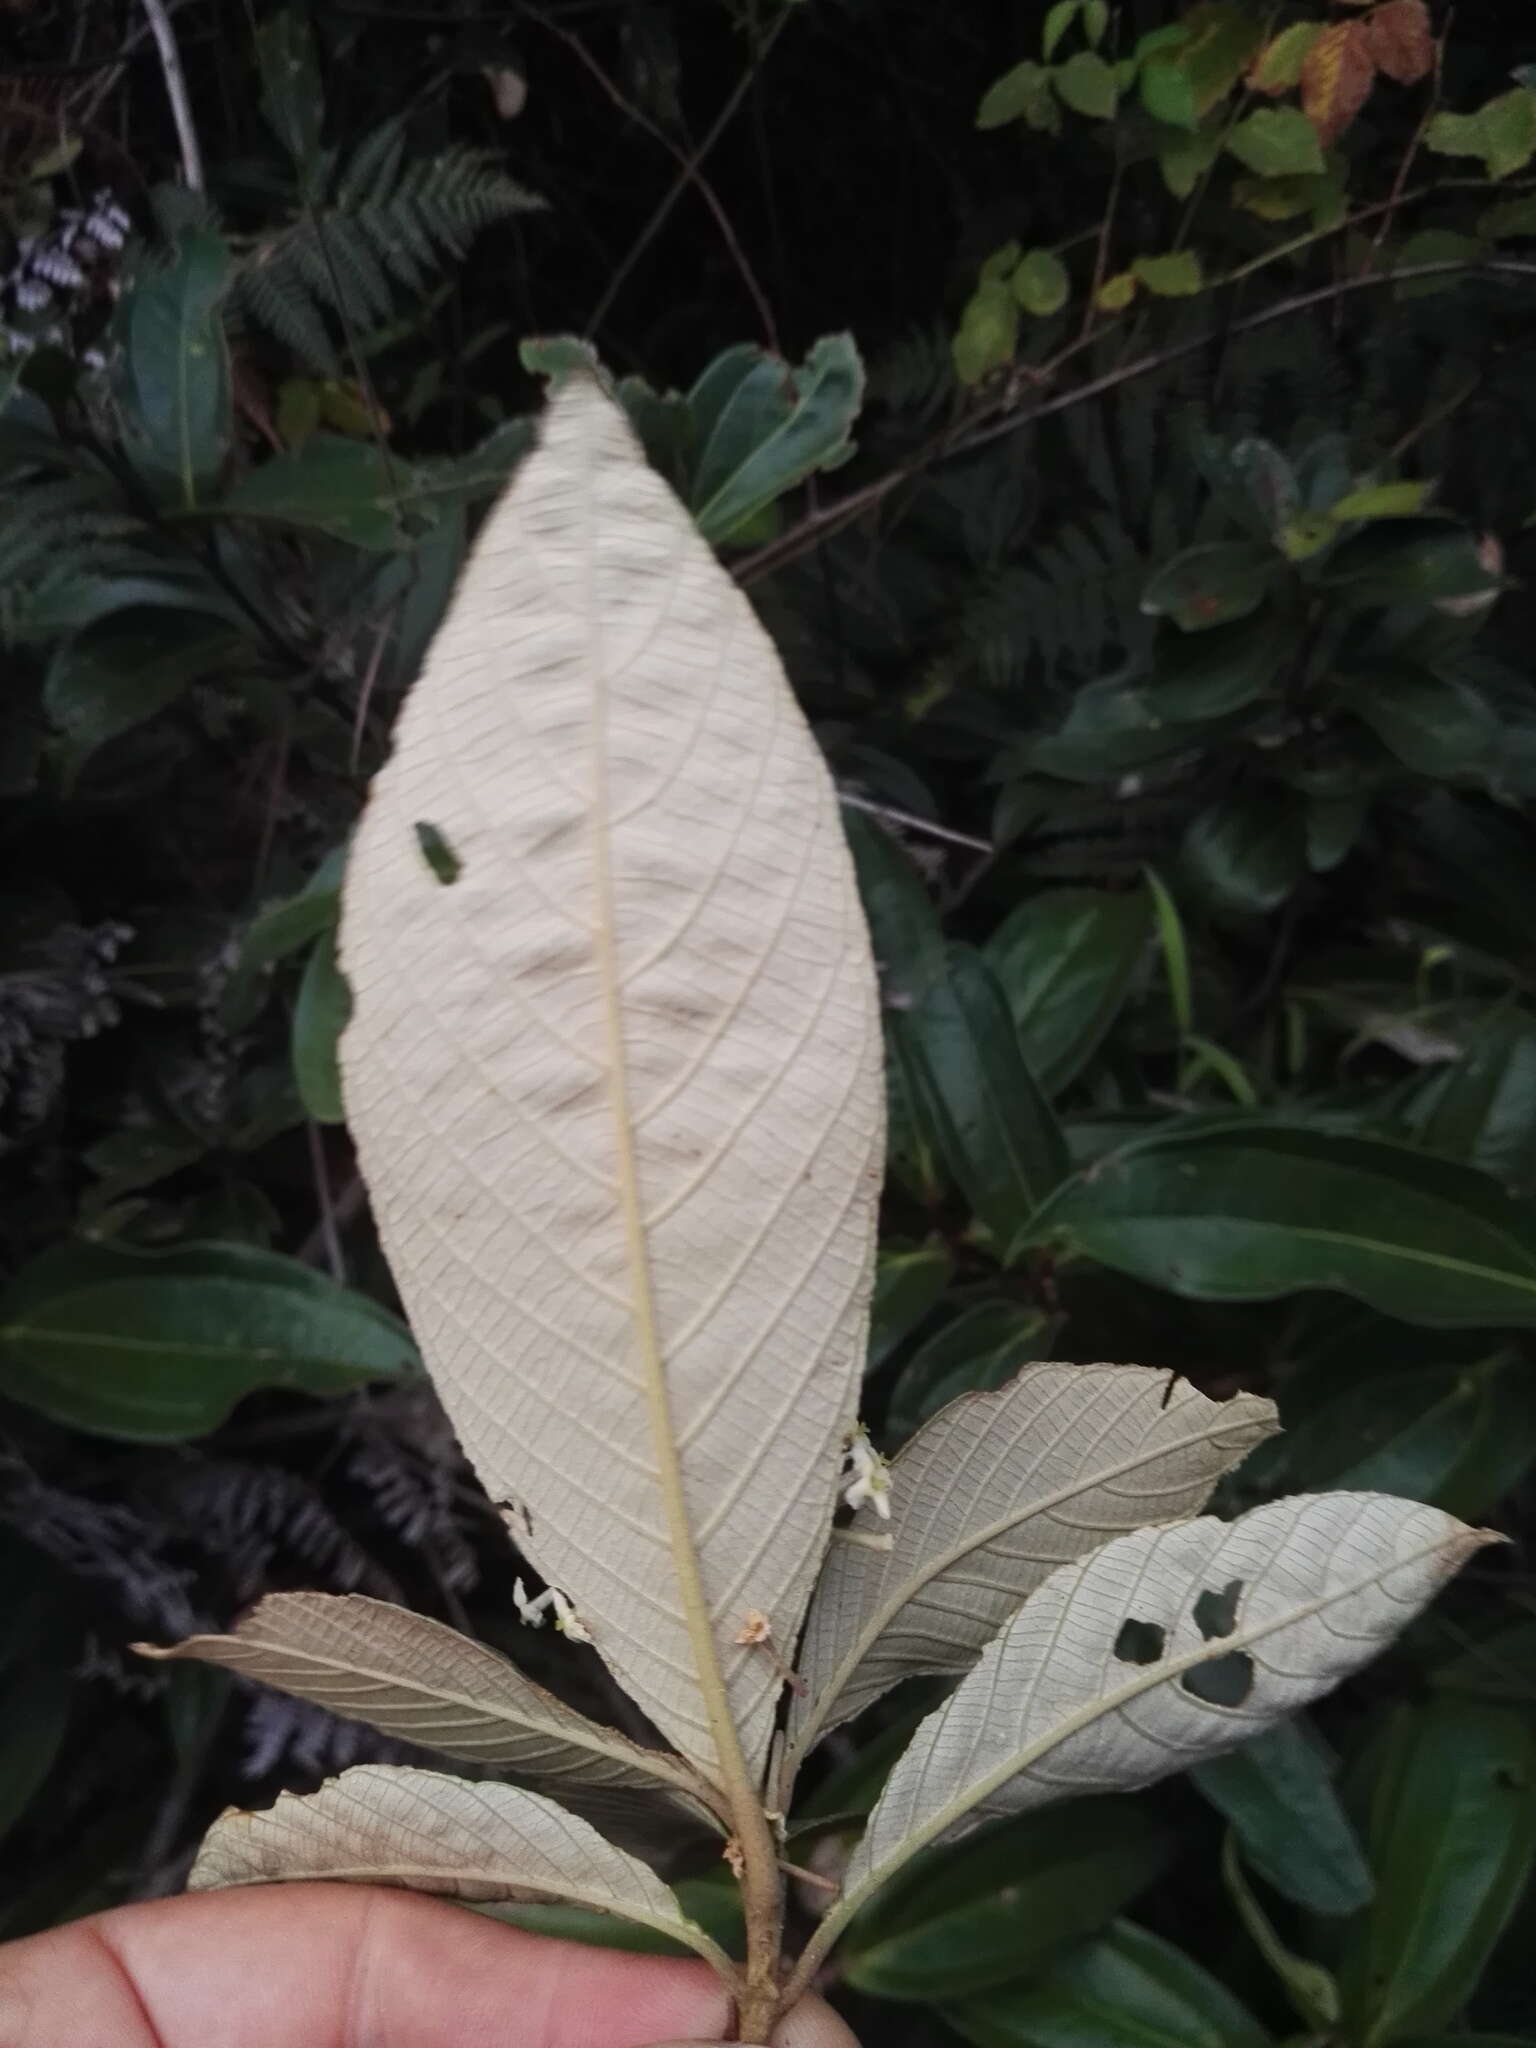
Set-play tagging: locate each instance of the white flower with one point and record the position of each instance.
(866, 1476)
(551, 1600)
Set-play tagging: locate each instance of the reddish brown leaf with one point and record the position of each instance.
(1401, 40)
(1337, 77)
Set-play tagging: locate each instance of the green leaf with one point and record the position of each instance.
(775, 427)
(1065, 961)
(345, 488)
(1451, 1837)
(996, 1907)
(1250, 1214)
(1184, 159)
(1041, 284)
(975, 1354)
(1176, 276)
(120, 673)
(903, 924)
(1086, 83)
(908, 1285)
(319, 1017)
(1482, 1108)
(1116, 293)
(1435, 245)
(1498, 1665)
(1128, 1989)
(988, 332)
(1277, 142)
(175, 368)
(1095, 20)
(1503, 133)
(1197, 676)
(1398, 500)
(280, 929)
(1431, 723)
(1057, 21)
(1248, 849)
(992, 1125)
(1458, 1437)
(292, 102)
(1168, 94)
(1224, 41)
(1170, 929)
(1278, 1793)
(1022, 94)
(1409, 561)
(1279, 64)
(1210, 585)
(158, 1347)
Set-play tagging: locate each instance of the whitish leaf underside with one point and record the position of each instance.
(1096, 1685)
(415, 1680)
(377, 1824)
(616, 1088)
(988, 1499)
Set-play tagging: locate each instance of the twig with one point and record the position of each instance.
(347, 1205)
(330, 1236)
(690, 163)
(689, 166)
(1410, 154)
(820, 526)
(176, 93)
(914, 823)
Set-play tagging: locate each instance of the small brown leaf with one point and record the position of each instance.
(1401, 40)
(1337, 77)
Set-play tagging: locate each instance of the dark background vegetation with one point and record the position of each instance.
(1233, 1071)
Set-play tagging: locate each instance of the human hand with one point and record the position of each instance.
(342, 1966)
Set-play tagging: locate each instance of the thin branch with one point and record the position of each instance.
(820, 526)
(689, 166)
(690, 163)
(176, 93)
(913, 823)
(330, 1235)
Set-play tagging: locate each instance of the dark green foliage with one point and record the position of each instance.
(1175, 663)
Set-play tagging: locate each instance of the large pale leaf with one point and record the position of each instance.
(414, 1679)
(616, 1088)
(487, 1843)
(988, 1499)
(1159, 1650)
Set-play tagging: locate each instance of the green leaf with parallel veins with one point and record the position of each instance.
(1277, 142)
(903, 924)
(1128, 1989)
(158, 1347)
(1451, 1837)
(996, 1908)
(175, 368)
(1041, 284)
(1086, 83)
(1253, 1214)
(1482, 1108)
(1278, 1793)
(1022, 94)
(993, 1126)
(766, 426)
(1066, 960)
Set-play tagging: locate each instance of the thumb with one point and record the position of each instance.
(812, 2024)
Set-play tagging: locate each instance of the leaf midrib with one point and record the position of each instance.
(887, 1612)
(1162, 1673)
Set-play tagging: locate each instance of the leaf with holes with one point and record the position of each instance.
(486, 1844)
(616, 1092)
(987, 1499)
(1158, 1650)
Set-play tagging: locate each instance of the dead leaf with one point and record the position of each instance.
(1401, 40)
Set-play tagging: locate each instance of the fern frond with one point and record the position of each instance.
(390, 224)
